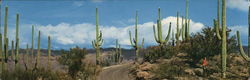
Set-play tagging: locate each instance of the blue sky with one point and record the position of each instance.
(72, 22)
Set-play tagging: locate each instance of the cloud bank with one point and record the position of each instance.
(65, 35)
(238, 4)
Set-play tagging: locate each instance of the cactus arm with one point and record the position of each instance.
(94, 44)
(217, 29)
(131, 41)
(157, 40)
(242, 52)
(101, 42)
(218, 22)
(168, 36)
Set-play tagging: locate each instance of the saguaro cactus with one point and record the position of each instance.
(38, 49)
(17, 40)
(224, 37)
(158, 38)
(242, 52)
(5, 38)
(134, 42)
(118, 51)
(187, 22)
(178, 31)
(99, 41)
(32, 44)
(49, 52)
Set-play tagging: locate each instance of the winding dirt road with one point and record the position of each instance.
(116, 72)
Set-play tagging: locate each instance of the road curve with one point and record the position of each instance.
(116, 72)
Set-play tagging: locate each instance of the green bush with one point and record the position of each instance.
(73, 59)
(206, 44)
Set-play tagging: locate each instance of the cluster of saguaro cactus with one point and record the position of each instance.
(118, 52)
(99, 41)
(222, 37)
(158, 37)
(134, 42)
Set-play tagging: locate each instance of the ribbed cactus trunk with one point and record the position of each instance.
(38, 49)
(118, 51)
(223, 37)
(99, 41)
(5, 38)
(32, 44)
(49, 53)
(17, 41)
(178, 33)
(1, 51)
(134, 42)
(187, 23)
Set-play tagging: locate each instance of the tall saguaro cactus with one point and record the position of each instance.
(49, 53)
(17, 40)
(32, 44)
(158, 37)
(98, 42)
(224, 37)
(12, 51)
(187, 23)
(38, 48)
(5, 38)
(134, 42)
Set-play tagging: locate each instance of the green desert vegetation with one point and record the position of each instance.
(211, 54)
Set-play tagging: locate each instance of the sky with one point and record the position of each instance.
(71, 23)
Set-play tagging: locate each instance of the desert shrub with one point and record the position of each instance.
(21, 74)
(206, 44)
(153, 53)
(73, 59)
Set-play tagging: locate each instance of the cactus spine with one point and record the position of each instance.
(49, 52)
(38, 49)
(134, 42)
(159, 39)
(98, 42)
(224, 37)
(17, 40)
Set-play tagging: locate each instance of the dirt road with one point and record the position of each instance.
(116, 72)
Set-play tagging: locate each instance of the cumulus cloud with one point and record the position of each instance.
(67, 34)
(238, 4)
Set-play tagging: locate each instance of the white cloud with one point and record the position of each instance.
(96, 0)
(78, 3)
(84, 33)
(238, 4)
